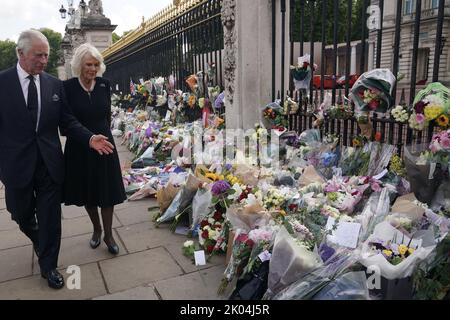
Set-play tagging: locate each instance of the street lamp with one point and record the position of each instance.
(70, 9)
(63, 12)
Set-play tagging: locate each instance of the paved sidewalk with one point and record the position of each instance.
(150, 265)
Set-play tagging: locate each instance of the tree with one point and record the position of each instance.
(7, 54)
(329, 20)
(54, 40)
(115, 37)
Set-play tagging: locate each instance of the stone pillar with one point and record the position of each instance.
(247, 60)
(353, 60)
(371, 58)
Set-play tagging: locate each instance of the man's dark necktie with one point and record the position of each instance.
(33, 100)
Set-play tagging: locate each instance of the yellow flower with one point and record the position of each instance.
(402, 249)
(211, 176)
(387, 253)
(432, 112)
(411, 250)
(191, 101)
(442, 121)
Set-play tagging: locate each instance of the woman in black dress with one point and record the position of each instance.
(92, 180)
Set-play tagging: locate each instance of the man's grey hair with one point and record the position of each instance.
(26, 39)
(79, 55)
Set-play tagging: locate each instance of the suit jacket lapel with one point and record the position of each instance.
(17, 93)
(45, 97)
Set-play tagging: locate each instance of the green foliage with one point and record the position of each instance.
(115, 37)
(54, 39)
(432, 277)
(7, 54)
(357, 11)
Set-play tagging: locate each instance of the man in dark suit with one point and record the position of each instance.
(32, 107)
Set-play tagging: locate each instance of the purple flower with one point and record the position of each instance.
(220, 187)
(148, 132)
(219, 101)
(326, 252)
(228, 167)
(420, 107)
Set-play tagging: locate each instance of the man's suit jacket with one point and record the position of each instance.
(19, 141)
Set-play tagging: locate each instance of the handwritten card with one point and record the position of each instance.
(346, 233)
(199, 257)
(265, 256)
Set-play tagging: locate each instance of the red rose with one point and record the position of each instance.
(242, 237)
(305, 65)
(293, 207)
(209, 249)
(373, 105)
(217, 216)
(205, 234)
(378, 136)
(249, 243)
(203, 224)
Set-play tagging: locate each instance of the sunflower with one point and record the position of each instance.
(443, 121)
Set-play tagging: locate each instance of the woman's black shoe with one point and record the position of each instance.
(94, 243)
(113, 249)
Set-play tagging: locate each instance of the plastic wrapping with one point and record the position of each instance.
(380, 81)
(247, 218)
(289, 262)
(200, 205)
(385, 232)
(350, 286)
(182, 200)
(375, 211)
(424, 177)
(309, 285)
(441, 199)
(380, 156)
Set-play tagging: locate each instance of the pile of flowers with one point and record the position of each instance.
(439, 150)
(431, 104)
(400, 114)
(393, 252)
(371, 97)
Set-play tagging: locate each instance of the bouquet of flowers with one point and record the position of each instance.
(340, 112)
(373, 91)
(400, 114)
(302, 73)
(423, 172)
(242, 248)
(431, 104)
(274, 116)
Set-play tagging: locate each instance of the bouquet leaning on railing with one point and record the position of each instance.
(373, 91)
(431, 104)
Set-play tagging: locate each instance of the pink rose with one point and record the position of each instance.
(435, 146)
(445, 143)
(420, 118)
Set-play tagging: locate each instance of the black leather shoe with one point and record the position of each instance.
(113, 249)
(54, 278)
(95, 242)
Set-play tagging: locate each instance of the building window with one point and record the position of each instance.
(423, 57)
(434, 4)
(409, 7)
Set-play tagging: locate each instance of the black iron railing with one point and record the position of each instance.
(183, 46)
(391, 131)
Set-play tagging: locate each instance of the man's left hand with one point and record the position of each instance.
(101, 144)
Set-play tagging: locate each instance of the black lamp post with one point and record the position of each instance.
(70, 10)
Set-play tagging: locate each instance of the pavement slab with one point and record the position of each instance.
(36, 288)
(139, 269)
(15, 263)
(201, 285)
(138, 293)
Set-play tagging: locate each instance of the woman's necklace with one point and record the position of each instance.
(85, 89)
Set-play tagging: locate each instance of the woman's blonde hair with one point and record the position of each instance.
(79, 55)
